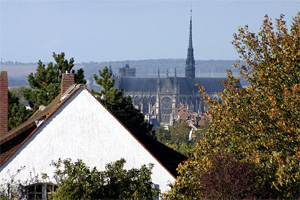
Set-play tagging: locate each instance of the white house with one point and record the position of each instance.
(77, 126)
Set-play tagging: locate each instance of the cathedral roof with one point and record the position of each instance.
(186, 85)
(210, 84)
(134, 84)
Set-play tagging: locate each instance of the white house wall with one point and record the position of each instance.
(82, 129)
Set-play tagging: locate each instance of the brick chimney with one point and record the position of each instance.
(3, 103)
(67, 81)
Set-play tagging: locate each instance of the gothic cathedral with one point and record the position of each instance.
(157, 97)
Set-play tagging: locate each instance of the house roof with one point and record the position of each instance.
(15, 138)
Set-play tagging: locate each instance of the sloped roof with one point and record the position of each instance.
(14, 139)
(38, 115)
(135, 84)
(11, 141)
(186, 85)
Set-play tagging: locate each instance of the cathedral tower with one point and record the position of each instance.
(190, 61)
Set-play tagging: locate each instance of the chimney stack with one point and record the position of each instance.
(67, 81)
(3, 103)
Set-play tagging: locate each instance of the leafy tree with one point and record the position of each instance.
(162, 134)
(18, 92)
(17, 112)
(176, 137)
(227, 178)
(78, 181)
(108, 95)
(45, 83)
(180, 133)
(120, 106)
(258, 125)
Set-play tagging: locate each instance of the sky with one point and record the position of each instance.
(120, 30)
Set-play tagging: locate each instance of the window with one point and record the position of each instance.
(40, 191)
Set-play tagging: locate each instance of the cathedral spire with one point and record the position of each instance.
(190, 61)
(191, 36)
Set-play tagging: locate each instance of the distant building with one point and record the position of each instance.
(157, 97)
(127, 71)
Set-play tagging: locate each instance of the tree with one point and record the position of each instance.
(46, 82)
(227, 178)
(120, 106)
(180, 133)
(78, 181)
(176, 137)
(108, 95)
(162, 134)
(19, 92)
(258, 125)
(17, 112)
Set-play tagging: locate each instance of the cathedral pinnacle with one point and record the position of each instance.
(190, 36)
(190, 61)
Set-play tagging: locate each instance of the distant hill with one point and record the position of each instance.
(18, 72)
(150, 67)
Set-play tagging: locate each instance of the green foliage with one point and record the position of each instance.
(46, 82)
(176, 137)
(120, 106)
(180, 133)
(17, 112)
(108, 95)
(258, 124)
(79, 76)
(78, 181)
(162, 134)
(18, 92)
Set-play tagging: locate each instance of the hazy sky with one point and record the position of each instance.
(118, 30)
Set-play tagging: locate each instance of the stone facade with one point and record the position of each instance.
(158, 98)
